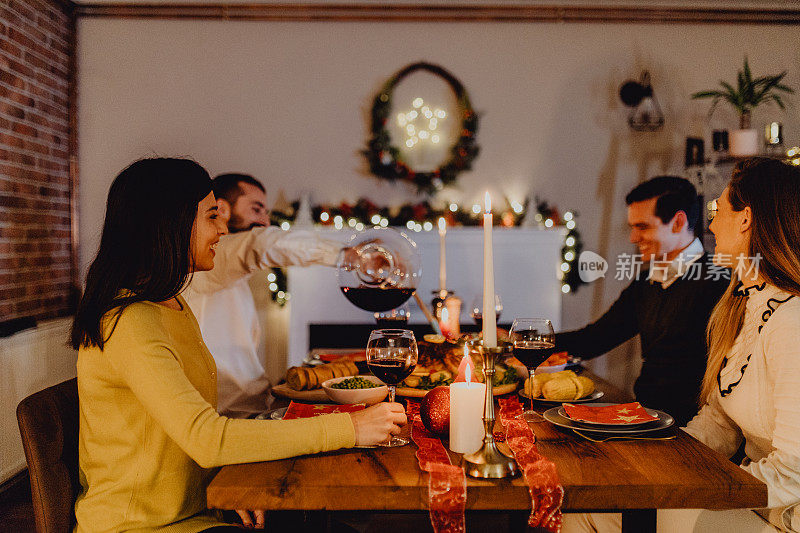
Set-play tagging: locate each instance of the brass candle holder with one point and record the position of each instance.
(489, 461)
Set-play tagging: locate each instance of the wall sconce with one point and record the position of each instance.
(645, 112)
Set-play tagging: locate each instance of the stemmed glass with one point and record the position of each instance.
(476, 309)
(391, 357)
(534, 341)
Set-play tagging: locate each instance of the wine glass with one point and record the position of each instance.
(393, 318)
(476, 310)
(534, 341)
(391, 357)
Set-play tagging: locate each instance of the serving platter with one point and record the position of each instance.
(408, 392)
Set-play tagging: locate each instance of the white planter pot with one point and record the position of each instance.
(744, 143)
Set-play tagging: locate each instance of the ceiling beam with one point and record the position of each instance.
(441, 13)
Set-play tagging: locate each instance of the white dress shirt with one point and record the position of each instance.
(758, 400)
(666, 273)
(223, 304)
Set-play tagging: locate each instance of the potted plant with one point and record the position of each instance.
(748, 94)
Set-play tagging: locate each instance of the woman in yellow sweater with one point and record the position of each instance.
(149, 431)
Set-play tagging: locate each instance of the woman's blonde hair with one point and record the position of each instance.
(771, 189)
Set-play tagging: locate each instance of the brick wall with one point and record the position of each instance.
(36, 52)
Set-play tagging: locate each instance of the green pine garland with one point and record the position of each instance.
(365, 214)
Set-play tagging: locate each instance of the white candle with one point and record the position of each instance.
(444, 324)
(466, 414)
(442, 255)
(489, 318)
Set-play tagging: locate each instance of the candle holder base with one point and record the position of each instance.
(489, 462)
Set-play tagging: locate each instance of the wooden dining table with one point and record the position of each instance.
(634, 477)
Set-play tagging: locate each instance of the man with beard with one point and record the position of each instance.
(221, 298)
(667, 304)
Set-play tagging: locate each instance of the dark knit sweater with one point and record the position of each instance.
(672, 324)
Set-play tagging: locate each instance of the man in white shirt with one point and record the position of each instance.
(221, 298)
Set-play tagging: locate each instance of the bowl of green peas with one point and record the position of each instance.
(355, 389)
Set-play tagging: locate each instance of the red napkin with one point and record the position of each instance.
(309, 410)
(624, 413)
(360, 355)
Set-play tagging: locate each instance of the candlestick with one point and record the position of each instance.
(489, 461)
(442, 255)
(466, 405)
(489, 317)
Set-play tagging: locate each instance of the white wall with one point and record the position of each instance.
(288, 102)
(31, 361)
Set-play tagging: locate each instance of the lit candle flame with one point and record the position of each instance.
(487, 202)
(468, 374)
(445, 315)
(442, 226)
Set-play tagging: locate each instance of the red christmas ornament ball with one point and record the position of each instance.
(435, 411)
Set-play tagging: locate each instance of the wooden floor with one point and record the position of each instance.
(16, 511)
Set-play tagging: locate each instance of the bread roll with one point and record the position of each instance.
(303, 378)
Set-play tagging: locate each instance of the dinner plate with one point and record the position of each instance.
(596, 395)
(651, 412)
(664, 421)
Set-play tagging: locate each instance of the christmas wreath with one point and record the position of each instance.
(385, 160)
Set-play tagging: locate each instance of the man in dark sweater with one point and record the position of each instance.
(668, 303)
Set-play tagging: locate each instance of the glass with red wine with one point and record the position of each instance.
(534, 341)
(391, 357)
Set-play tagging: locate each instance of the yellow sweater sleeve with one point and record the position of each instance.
(141, 351)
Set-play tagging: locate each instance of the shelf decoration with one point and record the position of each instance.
(422, 217)
(385, 160)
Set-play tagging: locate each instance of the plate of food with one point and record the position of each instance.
(555, 363)
(437, 365)
(560, 387)
(319, 356)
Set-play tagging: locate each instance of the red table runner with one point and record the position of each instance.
(447, 484)
(310, 410)
(540, 473)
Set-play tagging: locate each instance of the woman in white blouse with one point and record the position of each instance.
(751, 389)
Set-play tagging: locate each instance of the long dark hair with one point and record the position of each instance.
(145, 247)
(771, 189)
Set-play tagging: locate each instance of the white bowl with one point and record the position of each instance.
(550, 369)
(367, 396)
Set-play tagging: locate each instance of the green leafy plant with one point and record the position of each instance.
(748, 94)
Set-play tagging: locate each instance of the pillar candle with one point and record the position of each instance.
(466, 414)
(442, 255)
(489, 317)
